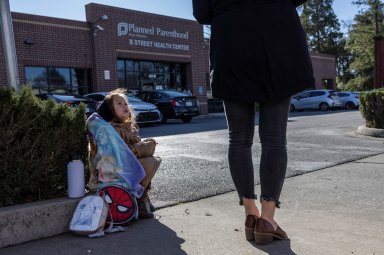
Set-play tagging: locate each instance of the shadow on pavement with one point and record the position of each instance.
(314, 113)
(176, 127)
(276, 248)
(143, 237)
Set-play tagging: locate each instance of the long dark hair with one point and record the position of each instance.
(107, 111)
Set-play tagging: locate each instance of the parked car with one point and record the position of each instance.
(350, 100)
(146, 113)
(98, 96)
(315, 99)
(172, 104)
(71, 100)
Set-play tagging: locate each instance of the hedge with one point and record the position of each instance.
(372, 108)
(36, 139)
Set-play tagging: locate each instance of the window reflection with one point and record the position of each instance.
(80, 81)
(144, 75)
(58, 79)
(121, 73)
(37, 77)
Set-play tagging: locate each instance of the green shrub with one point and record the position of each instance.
(36, 139)
(372, 108)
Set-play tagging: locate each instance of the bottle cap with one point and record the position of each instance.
(75, 156)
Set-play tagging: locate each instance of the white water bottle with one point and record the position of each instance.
(75, 173)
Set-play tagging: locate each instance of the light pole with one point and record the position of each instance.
(9, 46)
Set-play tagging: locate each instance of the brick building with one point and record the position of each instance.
(118, 47)
(324, 68)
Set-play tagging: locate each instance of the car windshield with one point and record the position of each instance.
(68, 97)
(174, 94)
(134, 99)
(333, 94)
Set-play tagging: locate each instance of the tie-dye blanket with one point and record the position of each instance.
(113, 161)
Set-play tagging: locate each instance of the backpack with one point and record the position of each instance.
(108, 211)
(89, 216)
(122, 205)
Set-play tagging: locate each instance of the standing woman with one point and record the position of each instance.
(258, 53)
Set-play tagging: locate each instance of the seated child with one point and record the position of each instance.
(116, 110)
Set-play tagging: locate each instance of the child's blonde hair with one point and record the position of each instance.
(109, 100)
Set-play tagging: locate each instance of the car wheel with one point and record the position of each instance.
(291, 108)
(163, 119)
(350, 106)
(186, 119)
(324, 107)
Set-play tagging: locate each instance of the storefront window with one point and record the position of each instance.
(57, 79)
(37, 77)
(80, 82)
(121, 73)
(167, 75)
(133, 75)
(132, 66)
(145, 75)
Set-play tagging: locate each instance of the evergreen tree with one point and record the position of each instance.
(322, 26)
(375, 10)
(344, 61)
(360, 43)
(323, 33)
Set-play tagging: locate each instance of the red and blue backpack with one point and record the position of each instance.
(122, 205)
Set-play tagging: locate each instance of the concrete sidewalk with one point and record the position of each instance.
(338, 210)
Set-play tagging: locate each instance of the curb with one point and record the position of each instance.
(36, 220)
(375, 132)
(210, 115)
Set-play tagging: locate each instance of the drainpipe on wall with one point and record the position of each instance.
(9, 46)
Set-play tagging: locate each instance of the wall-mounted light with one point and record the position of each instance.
(29, 41)
(96, 26)
(103, 17)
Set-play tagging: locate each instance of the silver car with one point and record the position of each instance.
(350, 100)
(146, 113)
(315, 100)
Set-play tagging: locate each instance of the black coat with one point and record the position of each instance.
(258, 49)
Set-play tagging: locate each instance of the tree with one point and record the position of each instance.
(360, 43)
(344, 61)
(322, 26)
(375, 9)
(323, 33)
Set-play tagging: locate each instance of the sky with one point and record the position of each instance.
(74, 9)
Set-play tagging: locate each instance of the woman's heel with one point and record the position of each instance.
(250, 222)
(249, 236)
(263, 239)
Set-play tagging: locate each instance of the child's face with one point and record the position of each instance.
(120, 105)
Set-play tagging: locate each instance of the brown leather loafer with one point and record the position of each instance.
(144, 206)
(265, 233)
(250, 223)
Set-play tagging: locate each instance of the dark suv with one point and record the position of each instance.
(172, 104)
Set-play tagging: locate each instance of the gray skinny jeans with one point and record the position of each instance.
(273, 119)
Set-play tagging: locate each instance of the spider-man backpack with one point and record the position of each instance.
(122, 205)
